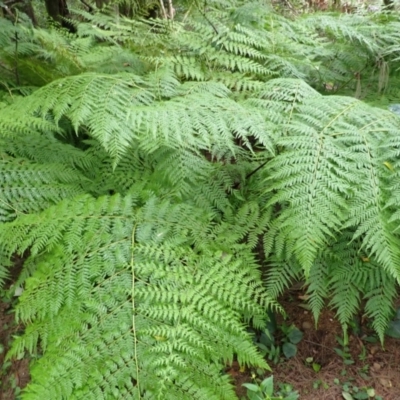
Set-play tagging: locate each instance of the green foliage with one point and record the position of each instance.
(352, 392)
(393, 329)
(161, 309)
(153, 170)
(265, 391)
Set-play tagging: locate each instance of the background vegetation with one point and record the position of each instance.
(168, 170)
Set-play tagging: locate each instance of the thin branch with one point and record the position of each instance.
(165, 15)
(9, 12)
(90, 8)
(16, 60)
(10, 2)
(206, 18)
(187, 14)
(171, 10)
(237, 185)
(255, 170)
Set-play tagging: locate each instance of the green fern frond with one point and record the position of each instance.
(307, 183)
(95, 101)
(280, 275)
(309, 173)
(29, 187)
(352, 275)
(10, 126)
(346, 287)
(381, 292)
(45, 148)
(318, 287)
(168, 313)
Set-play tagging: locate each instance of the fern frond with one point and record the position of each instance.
(29, 187)
(325, 139)
(93, 100)
(308, 182)
(280, 275)
(380, 292)
(346, 286)
(153, 312)
(44, 148)
(318, 286)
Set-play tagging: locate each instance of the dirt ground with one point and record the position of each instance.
(374, 367)
(14, 374)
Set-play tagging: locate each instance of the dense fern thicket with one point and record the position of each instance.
(144, 163)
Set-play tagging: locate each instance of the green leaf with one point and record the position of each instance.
(316, 367)
(362, 395)
(267, 386)
(347, 396)
(254, 396)
(266, 339)
(295, 336)
(263, 349)
(252, 387)
(289, 350)
(393, 329)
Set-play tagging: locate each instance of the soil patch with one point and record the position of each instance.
(14, 374)
(374, 367)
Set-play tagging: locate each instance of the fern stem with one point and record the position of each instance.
(133, 311)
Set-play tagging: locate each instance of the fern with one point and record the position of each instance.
(318, 287)
(381, 292)
(160, 164)
(309, 175)
(158, 306)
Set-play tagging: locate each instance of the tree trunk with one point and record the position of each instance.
(122, 9)
(57, 11)
(27, 8)
(126, 10)
(24, 6)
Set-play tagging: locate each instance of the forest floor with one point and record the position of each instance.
(14, 374)
(373, 368)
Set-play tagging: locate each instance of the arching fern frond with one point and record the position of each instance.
(380, 292)
(329, 144)
(29, 187)
(150, 317)
(121, 110)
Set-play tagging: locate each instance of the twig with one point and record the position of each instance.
(10, 2)
(187, 14)
(8, 89)
(165, 15)
(171, 10)
(206, 18)
(90, 8)
(16, 59)
(237, 185)
(8, 11)
(320, 345)
(255, 170)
